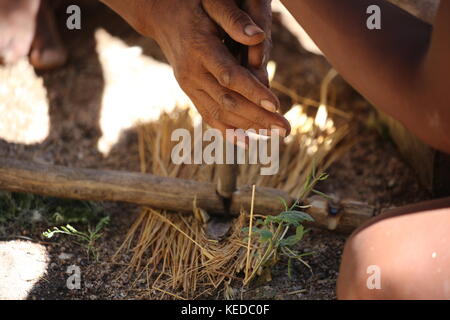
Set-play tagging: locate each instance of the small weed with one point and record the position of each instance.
(85, 239)
(272, 232)
(19, 211)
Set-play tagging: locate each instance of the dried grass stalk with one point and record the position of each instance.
(172, 250)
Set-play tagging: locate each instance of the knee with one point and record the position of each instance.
(373, 264)
(388, 260)
(359, 273)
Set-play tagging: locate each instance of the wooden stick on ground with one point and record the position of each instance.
(159, 192)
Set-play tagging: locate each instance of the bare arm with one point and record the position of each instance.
(403, 68)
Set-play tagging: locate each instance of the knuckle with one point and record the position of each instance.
(251, 92)
(237, 17)
(226, 75)
(261, 120)
(228, 102)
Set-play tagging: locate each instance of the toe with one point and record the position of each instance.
(11, 52)
(47, 50)
(48, 58)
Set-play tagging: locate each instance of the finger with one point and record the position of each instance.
(225, 116)
(261, 13)
(235, 106)
(236, 23)
(257, 55)
(224, 67)
(261, 74)
(204, 104)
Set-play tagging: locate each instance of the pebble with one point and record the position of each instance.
(36, 216)
(65, 256)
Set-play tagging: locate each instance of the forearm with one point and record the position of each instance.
(383, 65)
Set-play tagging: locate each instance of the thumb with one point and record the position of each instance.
(235, 22)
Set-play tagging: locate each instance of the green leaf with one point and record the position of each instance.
(254, 230)
(294, 217)
(71, 229)
(294, 239)
(48, 234)
(289, 241)
(275, 219)
(265, 235)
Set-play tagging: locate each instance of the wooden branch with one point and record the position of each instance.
(343, 217)
(108, 185)
(162, 192)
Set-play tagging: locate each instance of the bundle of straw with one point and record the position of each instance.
(171, 249)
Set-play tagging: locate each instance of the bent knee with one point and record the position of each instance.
(398, 258)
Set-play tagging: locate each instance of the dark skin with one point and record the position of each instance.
(227, 94)
(402, 69)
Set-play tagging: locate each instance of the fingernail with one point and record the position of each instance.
(252, 30)
(279, 130)
(268, 105)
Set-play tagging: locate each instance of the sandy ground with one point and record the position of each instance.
(84, 114)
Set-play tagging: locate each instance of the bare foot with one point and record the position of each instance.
(47, 51)
(17, 28)
(28, 27)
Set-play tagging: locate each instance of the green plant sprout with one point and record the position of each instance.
(272, 231)
(85, 239)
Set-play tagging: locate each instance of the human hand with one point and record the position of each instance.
(227, 95)
(260, 11)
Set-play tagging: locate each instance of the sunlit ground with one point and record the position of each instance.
(22, 265)
(137, 88)
(23, 105)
